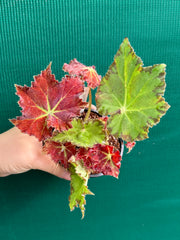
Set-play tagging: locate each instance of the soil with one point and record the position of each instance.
(115, 142)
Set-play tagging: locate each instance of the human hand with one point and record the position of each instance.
(20, 153)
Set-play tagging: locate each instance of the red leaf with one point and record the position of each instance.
(88, 74)
(48, 104)
(60, 152)
(101, 159)
(130, 145)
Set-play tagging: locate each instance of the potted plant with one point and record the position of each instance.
(128, 99)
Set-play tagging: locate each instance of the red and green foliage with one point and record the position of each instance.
(129, 97)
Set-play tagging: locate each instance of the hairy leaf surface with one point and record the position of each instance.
(83, 134)
(48, 104)
(132, 95)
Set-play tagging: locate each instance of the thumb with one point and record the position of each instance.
(48, 165)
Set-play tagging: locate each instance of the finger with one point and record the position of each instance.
(48, 165)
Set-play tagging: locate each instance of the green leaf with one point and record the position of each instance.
(79, 189)
(132, 95)
(82, 134)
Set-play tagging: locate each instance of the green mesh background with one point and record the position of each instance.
(145, 202)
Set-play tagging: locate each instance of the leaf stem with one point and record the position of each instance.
(89, 107)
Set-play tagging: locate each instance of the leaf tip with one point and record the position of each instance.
(49, 66)
(163, 65)
(12, 121)
(17, 87)
(167, 106)
(90, 193)
(126, 39)
(82, 211)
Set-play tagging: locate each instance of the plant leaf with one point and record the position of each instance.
(100, 159)
(59, 152)
(79, 189)
(130, 146)
(83, 134)
(132, 95)
(48, 104)
(88, 74)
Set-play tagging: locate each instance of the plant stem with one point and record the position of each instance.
(89, 107)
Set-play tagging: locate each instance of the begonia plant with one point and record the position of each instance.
(129, 100)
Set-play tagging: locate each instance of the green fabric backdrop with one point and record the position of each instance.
(145, 202)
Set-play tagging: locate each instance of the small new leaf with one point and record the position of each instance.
(83, 134)
(132, 95)
(130, 146)
(79, 189)
(87, 73)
